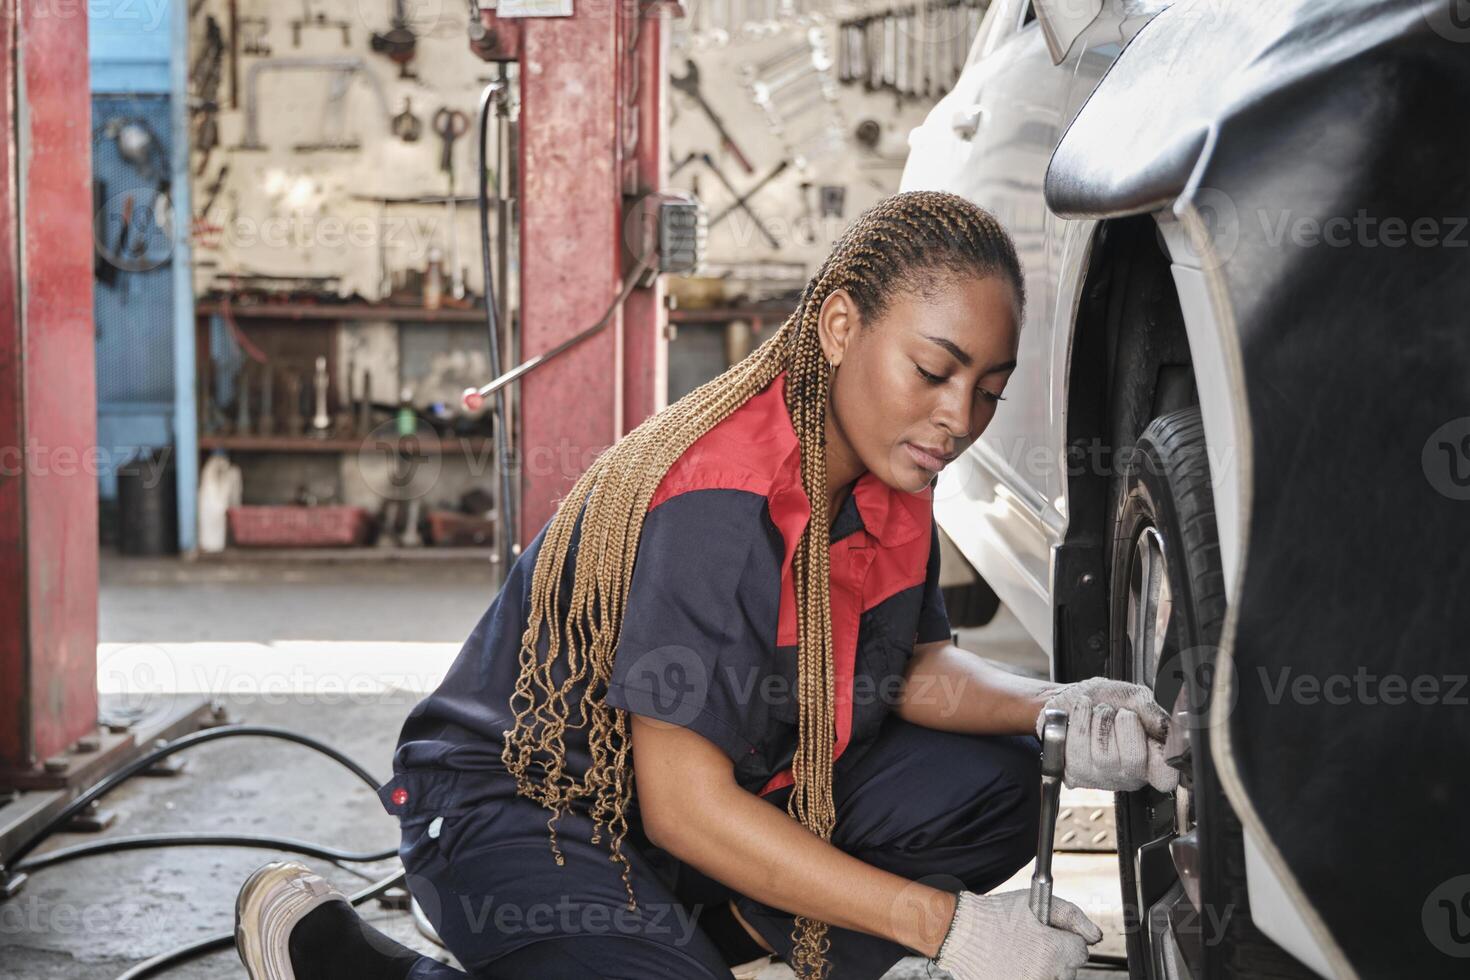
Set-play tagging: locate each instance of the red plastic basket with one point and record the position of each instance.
(449, 528)
(292, 526)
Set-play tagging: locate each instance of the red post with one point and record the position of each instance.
(48, 410)
(585, 157)
(570, 266)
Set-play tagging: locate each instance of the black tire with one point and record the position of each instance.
(973, 604)
(1165, 485)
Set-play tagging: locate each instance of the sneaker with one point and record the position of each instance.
(272, 901)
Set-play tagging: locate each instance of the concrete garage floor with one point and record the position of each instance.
(339, 651)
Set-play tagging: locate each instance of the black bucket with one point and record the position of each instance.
(147, 504)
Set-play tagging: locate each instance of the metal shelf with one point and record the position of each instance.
(725, 314)
(306, 444)
(329, 312)
(364, 553)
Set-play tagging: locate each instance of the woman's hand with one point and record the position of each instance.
(997, 937)
(1115, 736)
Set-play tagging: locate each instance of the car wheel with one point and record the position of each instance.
(1183, 868)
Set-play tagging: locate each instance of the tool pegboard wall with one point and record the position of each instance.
(316, 152)
(790, 117)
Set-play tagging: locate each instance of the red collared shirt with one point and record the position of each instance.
(734, 675)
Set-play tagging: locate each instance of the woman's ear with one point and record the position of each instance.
(837, 324)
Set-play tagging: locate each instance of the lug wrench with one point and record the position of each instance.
(1053, 760)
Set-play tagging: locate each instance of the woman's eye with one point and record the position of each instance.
(935, 379)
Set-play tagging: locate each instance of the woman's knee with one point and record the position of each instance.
(994, 834)
(1017, 758)
(962, 806)
(998, 778)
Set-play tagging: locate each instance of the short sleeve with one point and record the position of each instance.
(698, 633)
(933, 619)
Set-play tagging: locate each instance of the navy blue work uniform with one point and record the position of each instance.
(708, 642)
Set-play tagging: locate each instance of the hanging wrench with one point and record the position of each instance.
(688, 83)
(1053, 761)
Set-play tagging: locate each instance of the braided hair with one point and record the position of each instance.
(903, 241)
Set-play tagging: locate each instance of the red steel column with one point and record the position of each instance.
(571, 245)
(48, 409)
(569, 258)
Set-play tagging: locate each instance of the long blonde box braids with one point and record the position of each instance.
(920, 229)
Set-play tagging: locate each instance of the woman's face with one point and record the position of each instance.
(918, 385)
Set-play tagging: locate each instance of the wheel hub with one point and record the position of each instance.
(1159, 879)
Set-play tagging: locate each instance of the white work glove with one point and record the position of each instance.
(997, 937)
(1115, 736)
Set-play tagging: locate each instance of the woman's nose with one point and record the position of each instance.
(953, 414)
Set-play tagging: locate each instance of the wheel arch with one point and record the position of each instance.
(1127, 360)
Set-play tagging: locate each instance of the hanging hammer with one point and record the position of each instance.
(1053, 760)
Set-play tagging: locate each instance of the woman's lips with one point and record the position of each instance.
(927, 460)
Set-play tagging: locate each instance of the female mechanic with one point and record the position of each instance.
(821, 775)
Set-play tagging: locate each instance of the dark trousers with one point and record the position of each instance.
(951, 811)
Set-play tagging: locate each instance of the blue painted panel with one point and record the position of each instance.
(133, 296)
(122, 436)
(129, 43)
(141, 48)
